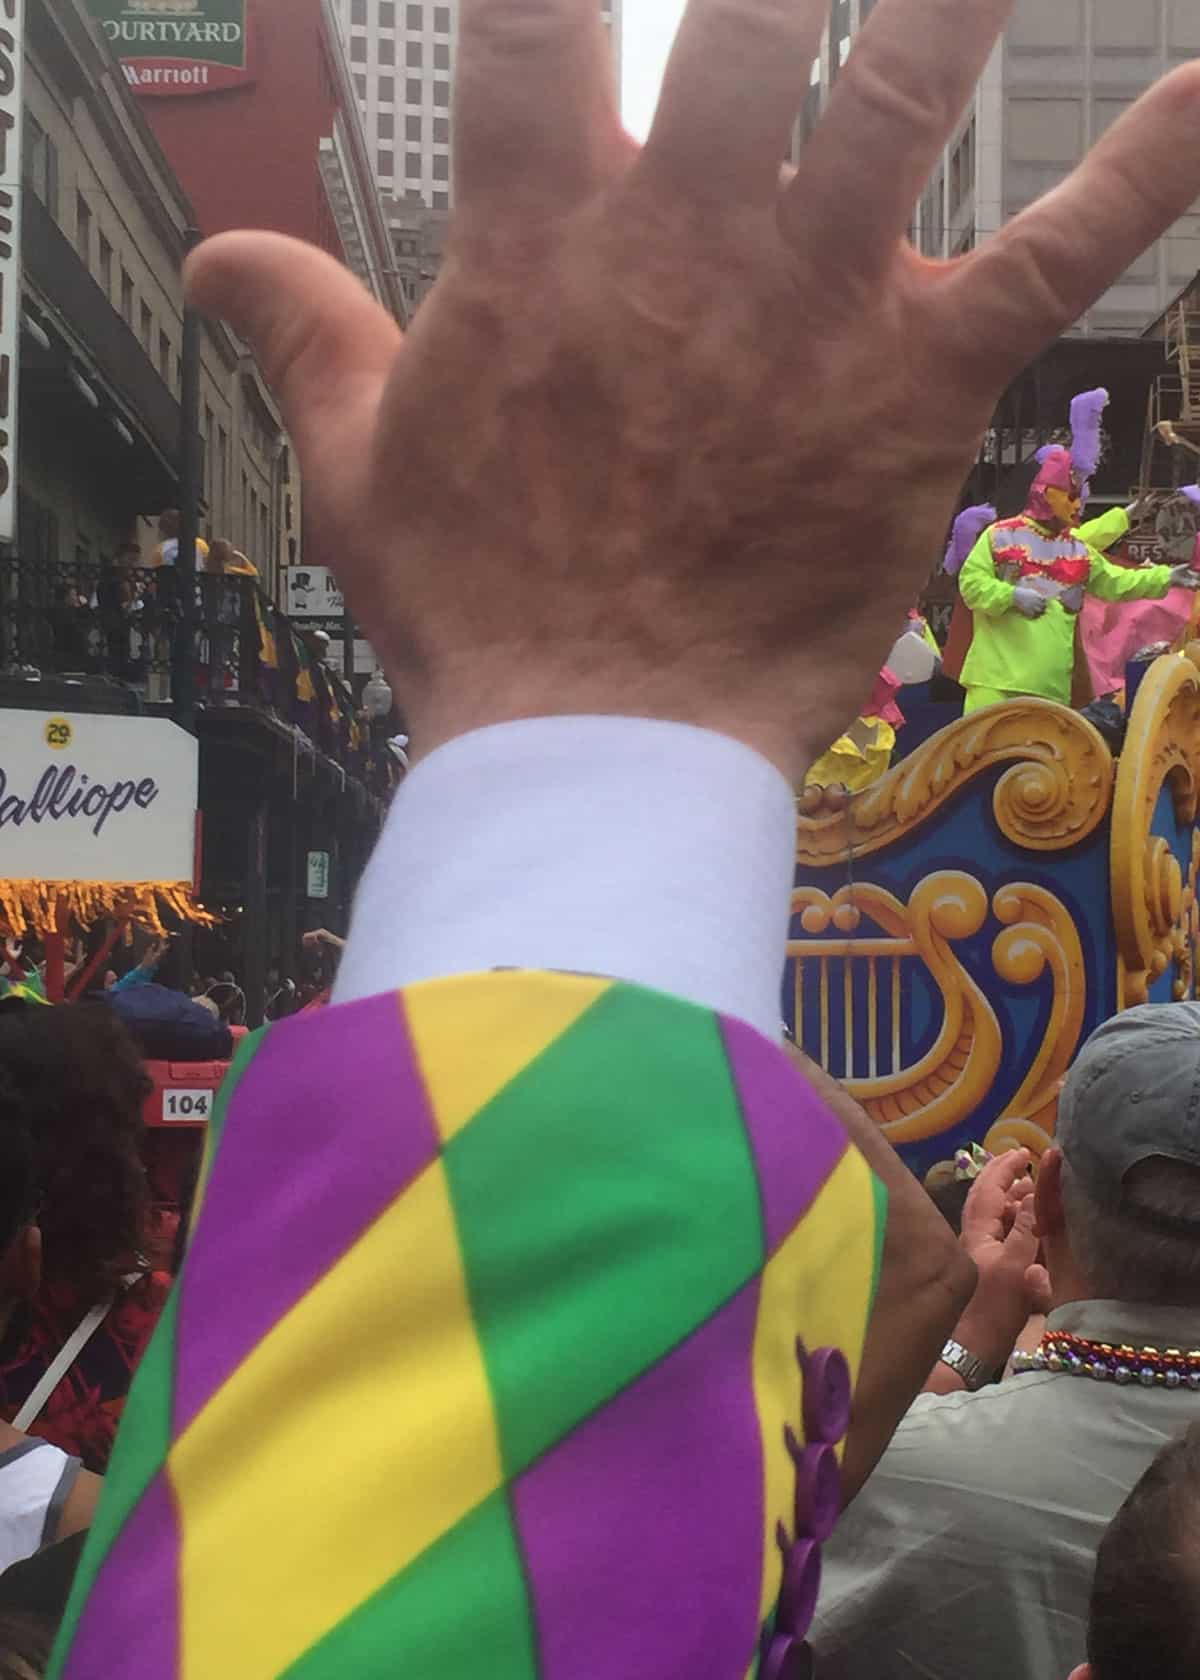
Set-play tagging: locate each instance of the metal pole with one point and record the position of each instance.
(184, 676)
(347, 642)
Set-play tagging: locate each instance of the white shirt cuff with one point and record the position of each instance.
(652, 852)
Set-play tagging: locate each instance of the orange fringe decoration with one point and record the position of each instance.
(33, 906)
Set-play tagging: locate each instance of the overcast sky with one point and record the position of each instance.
(647, 30)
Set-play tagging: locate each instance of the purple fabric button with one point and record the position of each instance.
(818, 1488)
(801, 1584)
(826, 1395)
(788, 1659)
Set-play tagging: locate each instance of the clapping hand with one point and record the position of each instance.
(670, 437)
(999, 1234)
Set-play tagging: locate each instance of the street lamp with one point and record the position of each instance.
(377, 697)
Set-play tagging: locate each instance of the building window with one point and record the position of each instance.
(441, 131)
(106, 266)
(83, 229)
(40, 165)
(386, 90)
(441, 56)
(360, 86)
(387, 161)
(412, 128)
(164, 357)
(222, 484)
(412, 165)
(441, 20)
(414, 17)
(358, 12)
(387, 14)
(146, 321)
(127, 295)
(441, 201)
(385, 126)
(358, 49)
(412, 55)
(386, 50)
(441, 93)
(441, 167)
(412, 92)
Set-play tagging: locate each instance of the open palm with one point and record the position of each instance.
(672, 435)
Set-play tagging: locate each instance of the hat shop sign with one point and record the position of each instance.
(86, 798)
(177, 47)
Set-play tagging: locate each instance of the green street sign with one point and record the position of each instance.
(170, 48)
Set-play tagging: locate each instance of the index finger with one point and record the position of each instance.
(1042, 271)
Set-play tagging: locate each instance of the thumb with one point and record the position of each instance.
(325, 346)
(1022, 1241)
(1037, 1283)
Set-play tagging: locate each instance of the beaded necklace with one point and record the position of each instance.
(1059, 1351)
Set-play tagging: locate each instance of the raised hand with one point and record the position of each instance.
(670, 437)
(999, 1234)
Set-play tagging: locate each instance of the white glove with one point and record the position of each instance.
(1030, 604)
(1183, 577)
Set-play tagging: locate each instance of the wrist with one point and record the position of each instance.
(962, 1368)
(464, 700)
(989, 1337)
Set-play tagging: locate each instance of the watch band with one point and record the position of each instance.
(974, 1373)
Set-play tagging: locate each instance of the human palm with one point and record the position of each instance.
(673, 435)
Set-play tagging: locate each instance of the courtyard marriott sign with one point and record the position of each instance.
(173, 47)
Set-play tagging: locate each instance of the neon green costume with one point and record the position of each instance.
(1018, 655)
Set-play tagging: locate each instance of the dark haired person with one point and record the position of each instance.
(74, 1078)
(1143, 1619)
(44, 1494)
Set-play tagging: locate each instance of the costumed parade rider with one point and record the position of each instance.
(1026, 579)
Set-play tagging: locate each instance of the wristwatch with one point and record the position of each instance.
(974, 1373)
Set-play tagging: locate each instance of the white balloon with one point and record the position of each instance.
(912, 659)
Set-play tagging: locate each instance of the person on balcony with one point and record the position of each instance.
(223, 559)
(167, 551)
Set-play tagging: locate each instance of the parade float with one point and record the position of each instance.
(962, 923)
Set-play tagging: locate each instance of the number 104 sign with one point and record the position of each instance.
(186, 1108)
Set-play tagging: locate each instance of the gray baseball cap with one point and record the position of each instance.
(1132, 1095)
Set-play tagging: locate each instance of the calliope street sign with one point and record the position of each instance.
(173, 47)
(85, 798)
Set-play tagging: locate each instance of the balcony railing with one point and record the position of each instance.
(126, 626)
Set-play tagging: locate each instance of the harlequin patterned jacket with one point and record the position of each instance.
(515, 1339)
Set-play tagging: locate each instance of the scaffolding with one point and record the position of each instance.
(1172, 443)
